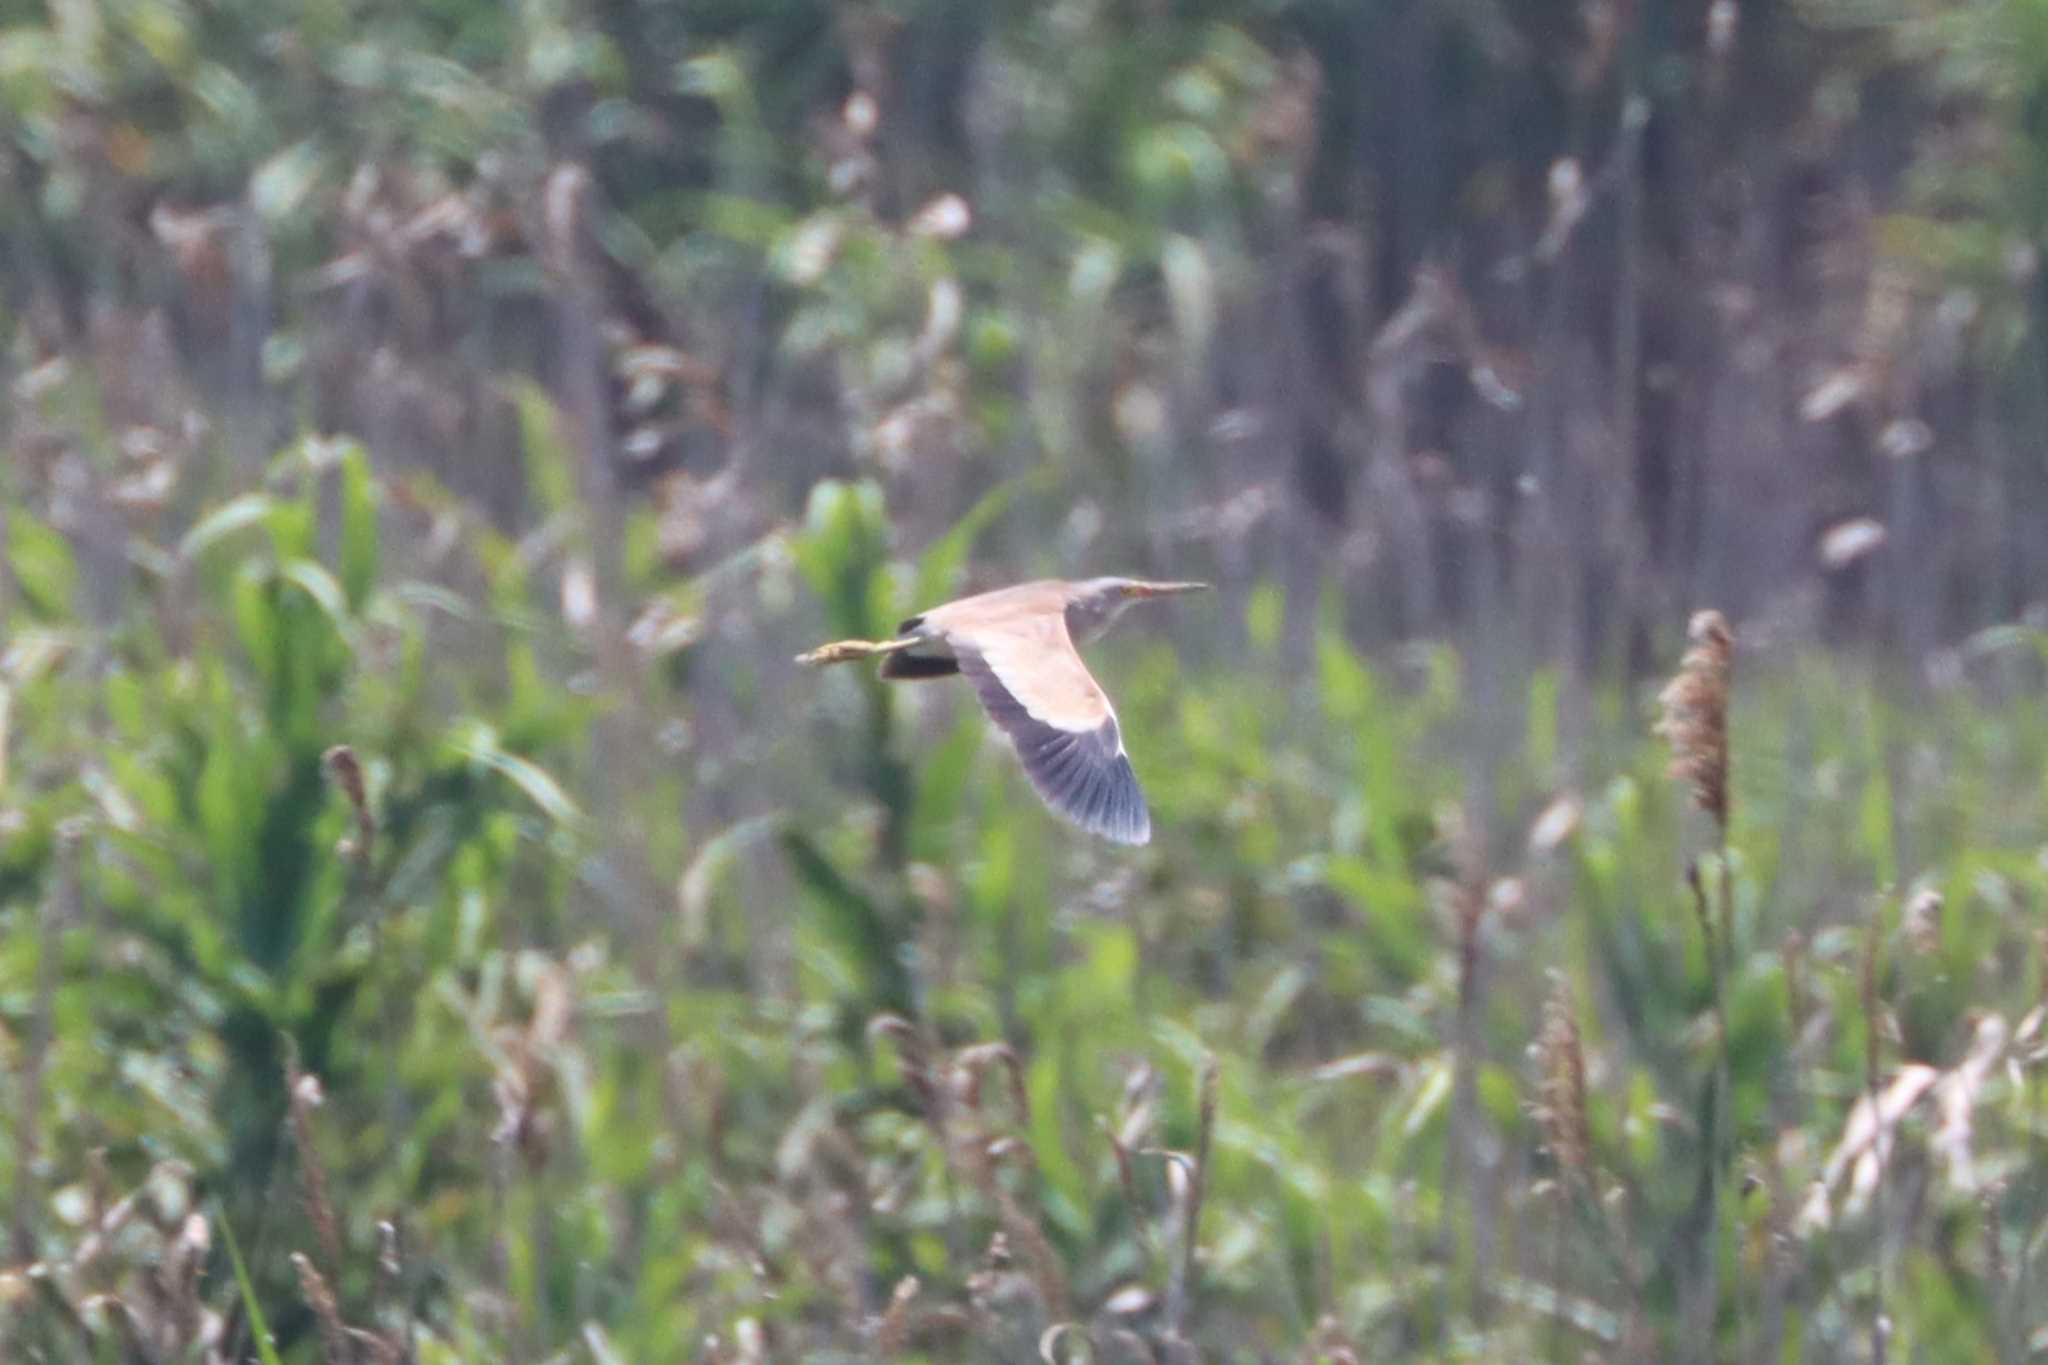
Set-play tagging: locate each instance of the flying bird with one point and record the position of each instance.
(1017, 646)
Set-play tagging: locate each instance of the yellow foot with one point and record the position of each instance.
(838, 652)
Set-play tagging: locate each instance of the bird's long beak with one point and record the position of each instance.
(1164, 589)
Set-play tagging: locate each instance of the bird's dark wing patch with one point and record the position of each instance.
(907, 667)
(1083, 774)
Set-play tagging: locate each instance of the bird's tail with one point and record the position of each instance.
(908, 667)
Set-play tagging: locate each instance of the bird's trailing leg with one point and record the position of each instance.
(845, 651)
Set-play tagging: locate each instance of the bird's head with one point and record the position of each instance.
(1136, 589)
(1096, 602)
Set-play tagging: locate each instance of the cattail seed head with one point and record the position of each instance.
(1694, 714)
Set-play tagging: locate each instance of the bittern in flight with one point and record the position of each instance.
(1017, 646)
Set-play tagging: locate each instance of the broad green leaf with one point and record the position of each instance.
(852, 922)
(943, 777)
(43, 566)
(479, 744)
(718, 76)
(842, 550)
(702, 877)
(1875, 822)
(1266, 616)
(226, 816)
(550, 468)
(236, 514)
(416, 593)
(279, 188)
(1391, 905)
(253, 603)
(753, 222)
(294, 528)
(319, 585)
(1347, 688)
(359, 545)
(938, 569)
(30, 58)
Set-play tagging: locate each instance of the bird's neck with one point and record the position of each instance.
(1084, 625)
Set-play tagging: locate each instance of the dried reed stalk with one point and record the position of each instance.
(1047, 1272)
(1997, 1274)
(1561, 1108)
(892, 1333)
(1873, 1063)
(302, 1096)
(1181, 1285)
(334, 1337)
(57, 911)
(1693, 720)
(1467, 898)
(1127, 1179)
(347, 772)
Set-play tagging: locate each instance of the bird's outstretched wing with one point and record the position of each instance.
(1033, 685)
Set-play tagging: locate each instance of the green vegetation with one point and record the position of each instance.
(874, 1035)
(438, 923)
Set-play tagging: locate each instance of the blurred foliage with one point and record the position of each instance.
(437, 923)
(633, 1137)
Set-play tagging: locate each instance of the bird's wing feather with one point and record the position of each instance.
(1034, 686)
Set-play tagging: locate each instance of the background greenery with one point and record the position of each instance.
(506, 392)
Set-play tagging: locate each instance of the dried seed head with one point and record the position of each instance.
(1694, 719)
(1922, 922)
(893, 1330)
(1557, 824)
(302, 1094)
(334, 1337)
(971, 1066)
(390, 1268)
(346, 770)
(1462, 894)
(912, 1055)
(1561, 1104)
(1139, 1109)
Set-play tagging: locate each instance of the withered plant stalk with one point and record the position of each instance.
(1873, 1066)
(1694, 719)
(326, 1312)
(1181, 1286)
(1694, 722)
(302, 1093)
(1561, 1108)
(1561, 1113)
(58, 910)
